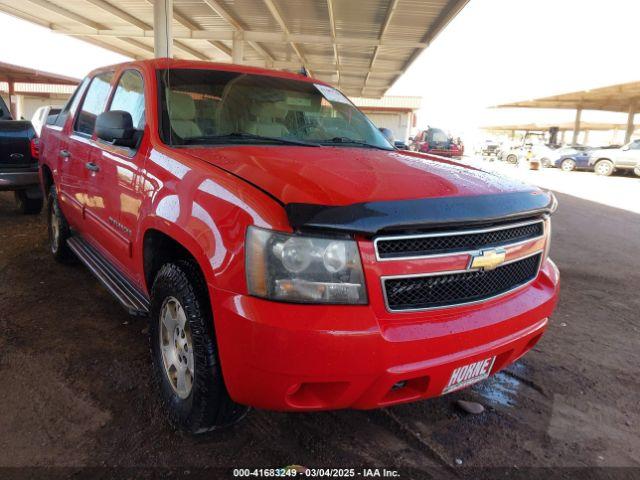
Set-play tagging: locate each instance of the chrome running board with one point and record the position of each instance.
(130, 296)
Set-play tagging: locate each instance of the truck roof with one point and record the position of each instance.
(168, 63)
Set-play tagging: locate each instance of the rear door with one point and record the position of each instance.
(77, 156)
(117, 180)
(54, 142)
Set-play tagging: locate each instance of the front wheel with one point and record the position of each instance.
(604, 167)
(27, 204)
(186, 366)
(568, 165)
(512, 159)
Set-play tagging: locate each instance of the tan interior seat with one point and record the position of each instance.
(182, 114)
(267, 120)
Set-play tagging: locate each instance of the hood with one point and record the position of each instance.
(368, 191)
(344, 176)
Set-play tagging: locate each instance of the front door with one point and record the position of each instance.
(116, 180)
(630, 157)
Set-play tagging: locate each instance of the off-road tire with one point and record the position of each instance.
(208, 406)
(600, 168)
(26, 205)
(57, 243)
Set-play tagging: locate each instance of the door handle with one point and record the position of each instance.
(65, 153)
(92, 166)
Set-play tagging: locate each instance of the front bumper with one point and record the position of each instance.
(17, 180)
(291, 357)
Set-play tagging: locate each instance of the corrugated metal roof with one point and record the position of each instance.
(615, 98)
(361, 46)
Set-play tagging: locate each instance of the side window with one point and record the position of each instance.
(93, 104)
(70, 106)
(129, 97)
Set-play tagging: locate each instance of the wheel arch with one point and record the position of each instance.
(160, 246)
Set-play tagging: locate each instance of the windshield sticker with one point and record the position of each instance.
(331, 94)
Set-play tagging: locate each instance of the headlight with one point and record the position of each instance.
(303, 269)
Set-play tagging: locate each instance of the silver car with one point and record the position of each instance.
(605, 161)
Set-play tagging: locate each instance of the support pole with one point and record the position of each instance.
(13, 101)
(585, 140)
(237, 48)
(630, 123)
(576, 126)
(162, 28)
(562, 136)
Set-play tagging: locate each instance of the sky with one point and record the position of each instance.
(496, 51)
(493, 52)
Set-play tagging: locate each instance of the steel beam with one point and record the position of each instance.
(163, 28)
(630, 123)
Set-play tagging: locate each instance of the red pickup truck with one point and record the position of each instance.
(286, 255)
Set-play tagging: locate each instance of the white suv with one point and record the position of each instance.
(607, 160)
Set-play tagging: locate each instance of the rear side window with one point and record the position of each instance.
(93, 104)
(59, 118)
(129, 97)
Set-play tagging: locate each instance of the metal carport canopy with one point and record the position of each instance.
(361, 46)
(624, 97)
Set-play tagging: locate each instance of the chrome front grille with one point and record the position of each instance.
(430, 244)
(479, 277)
(456, 288)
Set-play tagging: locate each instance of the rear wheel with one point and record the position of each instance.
(29, 205)
(604, 167)
(184, 353)
(58, 229)
(512, 158)
(568, 165)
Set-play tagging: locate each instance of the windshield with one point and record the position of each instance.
(209, 107)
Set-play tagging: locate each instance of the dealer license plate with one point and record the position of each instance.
(469, 374)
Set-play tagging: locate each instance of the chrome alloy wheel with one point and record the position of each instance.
(55, 230)
(176, 346)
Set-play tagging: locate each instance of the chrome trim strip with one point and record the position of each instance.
(454, 233)
(451, 272)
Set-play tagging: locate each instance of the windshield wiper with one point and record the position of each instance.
(240, 136)
(351, 141)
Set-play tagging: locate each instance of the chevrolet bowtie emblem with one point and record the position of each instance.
(488, 259)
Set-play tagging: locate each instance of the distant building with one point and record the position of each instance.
(25, 89)
(396, 113)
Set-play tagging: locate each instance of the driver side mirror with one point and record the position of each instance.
(116, 127)
(625, 148)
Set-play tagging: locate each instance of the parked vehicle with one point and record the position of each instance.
(511, 153)
(19, 161)
(437, 142)
(490, 148)
(287, 256)
(572, 158)
(41, 115)
(606, 161)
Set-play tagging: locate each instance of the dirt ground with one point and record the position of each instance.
(75, 389)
